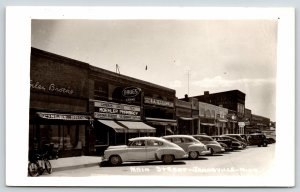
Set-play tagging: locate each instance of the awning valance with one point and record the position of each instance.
(187, 118)
(223, 120)
(158, 121)
(208, 124)
(68, 117)
(113, 125)
(137, 127)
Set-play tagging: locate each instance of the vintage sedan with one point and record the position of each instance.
(212, 145)
(189, 144)
(240, 138)
(143, 149)
(235, 144)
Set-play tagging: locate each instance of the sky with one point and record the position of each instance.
(189, 56)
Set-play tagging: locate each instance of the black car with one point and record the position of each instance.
(258, 139)
(236, 144)
(226, 143)
(271, 140)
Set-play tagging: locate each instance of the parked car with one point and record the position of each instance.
(189, 144)
(240, 138)
(144, 149)
(236, 144)
(212, 145)
(271, 140)
(225, 143)
(258, 139)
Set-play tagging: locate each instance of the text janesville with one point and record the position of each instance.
(160, 169)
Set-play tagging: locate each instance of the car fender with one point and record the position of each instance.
(198, 148)
(160, 152)
(121, 153)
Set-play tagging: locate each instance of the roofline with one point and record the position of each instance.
(101, 70)
(235, 90)
(91, 67)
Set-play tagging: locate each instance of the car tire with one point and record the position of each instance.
(211, 151)
(193, 155)
(115, 160)
(265, 144)
(167, 159)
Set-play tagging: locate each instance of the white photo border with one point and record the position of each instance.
(18, 19)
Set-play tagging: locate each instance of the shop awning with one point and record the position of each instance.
(223, 120)
(187, 118)
(137, 127)
(68, 117)
(113, 125)
(208, 124)
(158, 121)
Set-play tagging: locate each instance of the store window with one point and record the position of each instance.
(65, 137)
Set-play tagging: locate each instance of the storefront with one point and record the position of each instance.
(207, 114)
(185, 118)
(125, 107)
(232, 123)
(58, 112)
(221, 120)
(159, 113)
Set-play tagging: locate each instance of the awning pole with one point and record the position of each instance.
(125, 136)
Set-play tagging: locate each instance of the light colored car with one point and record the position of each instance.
(212, 145)
(144, 149)
(189, 144)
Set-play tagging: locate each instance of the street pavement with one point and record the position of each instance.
(253, 161)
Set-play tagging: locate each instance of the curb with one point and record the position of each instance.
(75, 167)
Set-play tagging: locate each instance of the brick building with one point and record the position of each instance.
(83, 109)
(234, 101)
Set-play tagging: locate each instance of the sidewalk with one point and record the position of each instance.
(68, 163)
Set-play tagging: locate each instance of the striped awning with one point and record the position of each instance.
(137, 127)
(113, 125)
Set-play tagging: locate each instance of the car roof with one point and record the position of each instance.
(146, 138)
(177, 136)
(201, 136)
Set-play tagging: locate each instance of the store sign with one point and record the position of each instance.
(52, 87)
(153, 101)
(241, 124)
(130, 92)
(62, 116)
(110, 110)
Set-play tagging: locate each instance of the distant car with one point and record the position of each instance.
(212, 145)
(144, 149)
(258, 139)
(271, 140)
(240, 138)
(236, 144)
(225, 143)
(189, 144)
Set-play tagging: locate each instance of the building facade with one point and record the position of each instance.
(82, 109)
(59, 103)
(234, 101)
(125, 107)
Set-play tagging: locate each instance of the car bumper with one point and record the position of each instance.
(204, 152)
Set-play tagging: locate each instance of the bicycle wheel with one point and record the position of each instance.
(48, 166)
(33, 169)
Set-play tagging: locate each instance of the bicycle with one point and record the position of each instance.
(38, 164)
